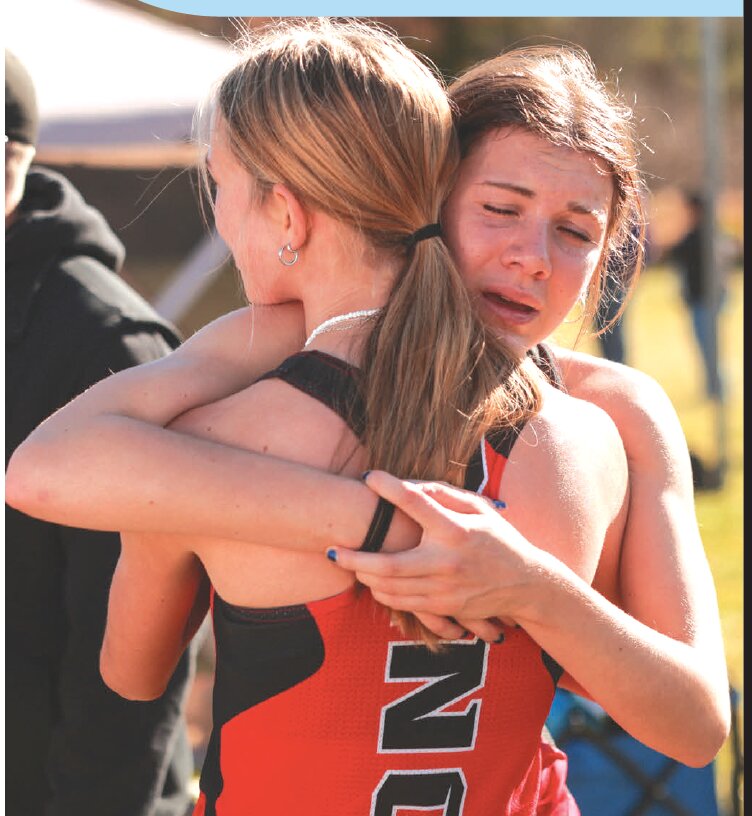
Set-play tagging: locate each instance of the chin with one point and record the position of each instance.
(517, 342)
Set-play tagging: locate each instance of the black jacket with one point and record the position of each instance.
(72, 745)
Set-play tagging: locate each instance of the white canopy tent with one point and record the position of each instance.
(119, 88)
(115, 87)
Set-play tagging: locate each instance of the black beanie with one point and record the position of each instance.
(21, 116)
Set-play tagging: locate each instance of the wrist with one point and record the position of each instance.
(403, 533)
(546, 578)
(350, 529)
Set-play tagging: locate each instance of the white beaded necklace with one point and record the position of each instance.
(334, 323)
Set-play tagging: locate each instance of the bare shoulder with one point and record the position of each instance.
(623, 392)
(567, 480)
(274, 418)
(566, 418)
(638, 405)
(271, 417)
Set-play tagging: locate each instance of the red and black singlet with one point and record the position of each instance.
(325, 709)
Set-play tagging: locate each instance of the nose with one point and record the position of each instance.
(528, 249)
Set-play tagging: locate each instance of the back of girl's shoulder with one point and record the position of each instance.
(575, 429)
(570, 452)
(614, 386)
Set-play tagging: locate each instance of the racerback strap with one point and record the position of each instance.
(331, 381)
(543, 357)
(334, 383)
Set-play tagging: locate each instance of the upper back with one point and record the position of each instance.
(276, 418)
(566, 485)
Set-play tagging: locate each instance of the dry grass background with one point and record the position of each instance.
(660, 342)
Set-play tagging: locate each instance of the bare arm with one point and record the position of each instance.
(478, 565)
(158, 598)
(104, 461)
(663, 577)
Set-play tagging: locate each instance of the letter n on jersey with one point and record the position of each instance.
(419, 722)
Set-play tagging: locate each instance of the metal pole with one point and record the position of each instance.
(713, 139)
(193, 277)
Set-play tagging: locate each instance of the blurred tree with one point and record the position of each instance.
(656, 62)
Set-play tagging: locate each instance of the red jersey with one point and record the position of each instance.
(326, 709)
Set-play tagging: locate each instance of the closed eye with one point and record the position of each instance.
(580, 236)
(499, 210)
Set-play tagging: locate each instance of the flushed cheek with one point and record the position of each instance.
(471, 262)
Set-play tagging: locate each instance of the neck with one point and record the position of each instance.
(337, 274)
(339, 320)
(342, 322)
(342, 288)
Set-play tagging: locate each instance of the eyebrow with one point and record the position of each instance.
(573, 206)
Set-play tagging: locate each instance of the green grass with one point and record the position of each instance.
(660, 342)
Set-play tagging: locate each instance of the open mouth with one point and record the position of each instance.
(513, 305)
(507, 314)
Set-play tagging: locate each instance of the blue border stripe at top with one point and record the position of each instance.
(449, 8)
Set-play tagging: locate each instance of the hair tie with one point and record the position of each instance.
(429, 231)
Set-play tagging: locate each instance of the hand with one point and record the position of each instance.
(471, 564)
(492, 630)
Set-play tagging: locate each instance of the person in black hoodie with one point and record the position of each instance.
(72, 745)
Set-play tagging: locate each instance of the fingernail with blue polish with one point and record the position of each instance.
(501, 505)
(331, 555)
(500, 638)
(365, 475)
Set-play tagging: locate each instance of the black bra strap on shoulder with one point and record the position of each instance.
(502, 439)
(544, 358)
(331, 381)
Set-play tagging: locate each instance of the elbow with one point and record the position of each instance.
(38, 483)
(700, 757)
(128, 684)
(715, 727)
(712, 744)
(23, 490)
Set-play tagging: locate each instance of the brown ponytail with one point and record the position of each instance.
(379, 125)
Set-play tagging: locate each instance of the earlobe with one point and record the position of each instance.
(293, 216)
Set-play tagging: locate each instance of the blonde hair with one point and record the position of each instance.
(554, 92)
(357, 126)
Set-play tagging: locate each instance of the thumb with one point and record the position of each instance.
(412, 500)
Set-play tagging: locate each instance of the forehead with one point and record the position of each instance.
(524, 159)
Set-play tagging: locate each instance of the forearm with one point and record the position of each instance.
(151, 479)
(664, 692)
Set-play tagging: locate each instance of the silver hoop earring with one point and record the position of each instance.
(281, 254)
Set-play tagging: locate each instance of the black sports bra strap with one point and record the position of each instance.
(327, 379)
(543, 357)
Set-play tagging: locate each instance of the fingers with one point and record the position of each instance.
(445, 628)
(412, 500)
(489, 630)
(459, 501)
(417, 604)
(424, 586)
(449, 629)
(407, 564)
